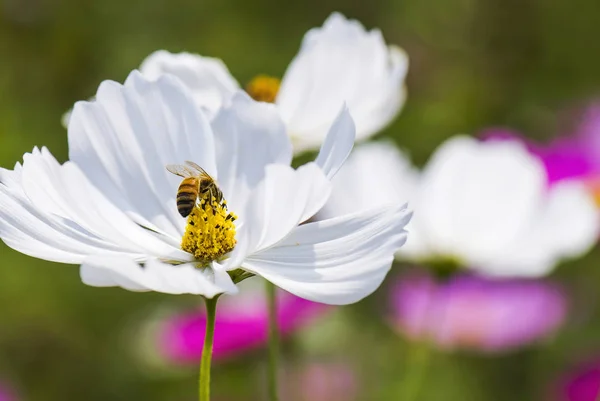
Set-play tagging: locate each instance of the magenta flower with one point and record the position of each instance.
(241, 325)
(582, 384)
(470, 312)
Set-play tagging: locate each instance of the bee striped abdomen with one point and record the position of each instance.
(186, 196)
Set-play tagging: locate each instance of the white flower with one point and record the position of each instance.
(111, 208)
(207, 78)
(484, 205)
(338, 63)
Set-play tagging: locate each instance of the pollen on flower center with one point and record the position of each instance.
(263, 88)
(210, 230)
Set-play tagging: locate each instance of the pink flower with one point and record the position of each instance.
(241, 325)
(582, 384)
(332, 381)
(470, 312)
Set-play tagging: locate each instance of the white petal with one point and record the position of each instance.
(207, 78)
(375, 174)
(28, 231)
(477, 197)
(285, 198)
(341, 63)
(123, 140)
(35, 233)
(336, 261)
(52, 212)
(337, 144)
(390, 100)
(567, 226)
(249, 135)
(66, 117)
(155, 276)
(571, 218)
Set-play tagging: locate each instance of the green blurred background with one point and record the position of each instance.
(474, 64)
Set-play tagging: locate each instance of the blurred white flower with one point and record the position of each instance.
(111, 208)
(338, 63)
(483, 205)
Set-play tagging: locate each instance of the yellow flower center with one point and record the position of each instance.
(210, 231)
(263, 88)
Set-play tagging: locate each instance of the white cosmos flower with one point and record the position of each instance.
(111, 208)
(207, 78)
(484, 205)
(338, 63)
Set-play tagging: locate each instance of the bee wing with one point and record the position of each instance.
(181, 170)
(197, 169)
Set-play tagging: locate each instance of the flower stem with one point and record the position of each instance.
(273, 341)
(204, 380)
(417, 363)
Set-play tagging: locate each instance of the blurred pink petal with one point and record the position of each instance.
(6, 394)
(241, 325)
(332, 381)
(470, 312)
(588, 133)
(582, 384)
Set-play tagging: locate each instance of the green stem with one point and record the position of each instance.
(204, 380)
(273, 341)
(417, 363)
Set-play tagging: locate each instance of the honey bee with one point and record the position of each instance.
(196, 183)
